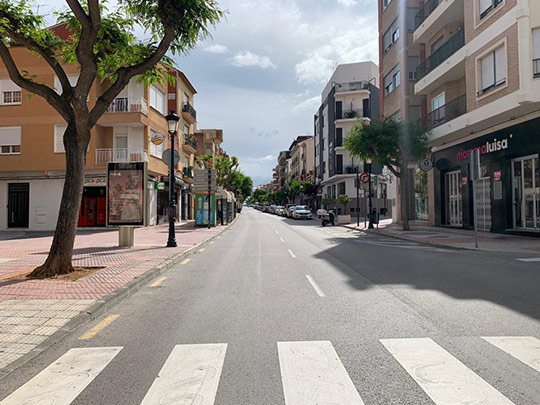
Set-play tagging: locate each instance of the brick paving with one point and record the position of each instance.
(92, 249)
(459, 238)
(33, 310)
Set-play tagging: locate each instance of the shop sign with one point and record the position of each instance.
(426, 165)
(157, 138)
(96, 181)
(158, 185)
(497, 176)
(488, 147)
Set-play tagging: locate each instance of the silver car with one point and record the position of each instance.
(302, 212)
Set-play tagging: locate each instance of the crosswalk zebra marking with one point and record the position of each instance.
(443, 377)
(64, 380)
(524, 348)
(312, 373)
(530, 260)
(190, 375)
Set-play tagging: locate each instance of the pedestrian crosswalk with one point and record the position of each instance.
(312, 372)
(399, 244)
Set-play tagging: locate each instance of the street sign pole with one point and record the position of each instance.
(357, 197)
(209, 191)
(475, 175)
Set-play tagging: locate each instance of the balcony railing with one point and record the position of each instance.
(352, 86)
(425, 11)
(120, 155)
(536, 67)
(446, 113)
(450, 47)
(188, 108)
(128, 104)
(190, 141)
(346, 115)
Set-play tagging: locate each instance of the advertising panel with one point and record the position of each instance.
(126, 193)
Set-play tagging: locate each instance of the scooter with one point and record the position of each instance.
(326, 217)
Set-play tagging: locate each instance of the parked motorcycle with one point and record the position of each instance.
(326, 217)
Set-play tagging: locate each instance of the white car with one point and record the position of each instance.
(290, 211)
(302, 212)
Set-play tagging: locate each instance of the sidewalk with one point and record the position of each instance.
(457, 238)
(33, 310)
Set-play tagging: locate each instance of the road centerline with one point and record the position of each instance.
(315, 286)
(291, 253)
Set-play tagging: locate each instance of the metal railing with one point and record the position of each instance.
(188, 108)
(190, 141)
(349, 114)
(450, 47)
(352, 86)
(446, 113)
(120, 155)
(128, 104)
(425, 11)
(536, 67)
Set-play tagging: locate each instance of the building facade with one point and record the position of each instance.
(399, 57)
(32, 156)
(350, 96)
(480, 76)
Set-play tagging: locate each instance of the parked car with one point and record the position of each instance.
(290, 211)
(302, 212)
(279, 210)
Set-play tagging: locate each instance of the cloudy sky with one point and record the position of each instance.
(260, 76)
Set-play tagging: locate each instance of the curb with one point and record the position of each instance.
(421, 242)
(106, 303)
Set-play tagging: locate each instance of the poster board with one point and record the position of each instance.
(126, 194)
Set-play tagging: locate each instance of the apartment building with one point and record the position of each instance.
(302, 155)
(481, 78)
(32, 156)
(399, 57)
(350, 96)
(282, 168)
(208, 142)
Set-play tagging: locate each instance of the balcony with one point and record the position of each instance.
(189, 113)
(425, 11)
(450, 47)
(536, 67)
(120, 155)
(189, 145)
(352, 86)
(444, 114)
(351, 114)
(187, 175)
(128, 105)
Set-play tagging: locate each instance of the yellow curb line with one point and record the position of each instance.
(99, 327)
(158, 281)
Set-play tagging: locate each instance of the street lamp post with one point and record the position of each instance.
(172, 125)
(370, 205)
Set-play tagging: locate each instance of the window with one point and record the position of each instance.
(386, 3)
(10, 140)
(157, 100)
(73, 79)
(487, 6)
(156, 150)
(492, 70)
(413, 62)
(186, 130)
(10, 93)
(391, 81)
(59, 131)
(536, 52)
(437, 102)
(341, 188)
(391, 36)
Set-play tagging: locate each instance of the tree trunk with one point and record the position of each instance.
(61, 252)
(405, 197)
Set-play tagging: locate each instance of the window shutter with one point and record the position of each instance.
(500, 65)
(484, 5)
(536, 43)
(8, 85)
(488, 72)
(59, 131)
(10, 136)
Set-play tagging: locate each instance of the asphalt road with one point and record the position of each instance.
(278, 311)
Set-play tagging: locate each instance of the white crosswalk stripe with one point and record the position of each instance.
(526, 349)
(443, 377)
(400, 244)
(189, 376)
(312, 373)
(64, 380)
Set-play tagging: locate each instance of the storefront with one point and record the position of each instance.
(508, 193)
(93, 211)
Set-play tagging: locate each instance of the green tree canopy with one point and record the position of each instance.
(103, 45)
(392, 144)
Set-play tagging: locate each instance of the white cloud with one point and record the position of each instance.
(347, 3)
(248, 59)
(308, 106)
(216, 49)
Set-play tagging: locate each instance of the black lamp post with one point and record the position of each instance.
(172, 125)
(370, 205)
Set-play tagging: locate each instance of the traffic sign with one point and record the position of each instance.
(426, 165)
(364, 177)
(166, 157)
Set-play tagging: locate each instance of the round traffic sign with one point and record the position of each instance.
(426, 165)
(166, 157)
(364, 178)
